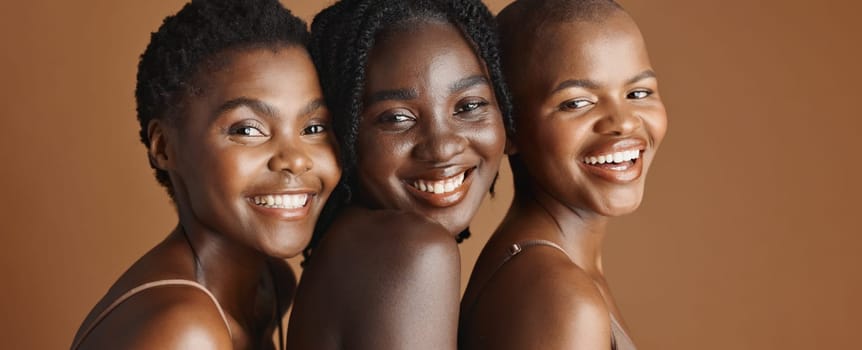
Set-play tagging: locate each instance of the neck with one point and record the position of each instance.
(228, 269)
(580, 232)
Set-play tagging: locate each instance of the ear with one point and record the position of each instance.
(510, 149)
(159, 150)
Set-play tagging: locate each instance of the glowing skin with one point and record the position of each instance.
(258, 149)
(587, 128)
(599, 101)
(431, 135)
(252, 161)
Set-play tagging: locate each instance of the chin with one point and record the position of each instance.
(452, 224)
(619, 205)
(284, 249)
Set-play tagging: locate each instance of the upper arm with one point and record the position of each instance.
(162, 318)
(411, 296)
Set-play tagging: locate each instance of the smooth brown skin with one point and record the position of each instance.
(386, 275)
(541, 299)
(257, 127)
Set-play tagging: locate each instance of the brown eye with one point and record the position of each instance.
(572, 105)
(396, 120)
(470, 106)
(638, 94)
(314, 129)
(246, 130)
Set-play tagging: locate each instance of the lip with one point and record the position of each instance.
(618, 173)
(442, 200)
(286, 214)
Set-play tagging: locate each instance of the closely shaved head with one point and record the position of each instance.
(526, 14)
(524, 23)
(532, 33)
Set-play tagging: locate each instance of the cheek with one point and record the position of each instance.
(228, 168)
(380, 155)
(326, 165)
(489, 140)
(656, 124)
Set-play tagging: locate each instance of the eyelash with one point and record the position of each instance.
(470, 106)
(395, 118)
(309, 130)
(244, 129)
(572, 105)
(631, 95)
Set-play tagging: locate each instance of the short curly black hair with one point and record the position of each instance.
(342, 38)
(200, 31)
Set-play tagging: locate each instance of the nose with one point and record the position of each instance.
(440, 143)
(618, 120)
(293, 159)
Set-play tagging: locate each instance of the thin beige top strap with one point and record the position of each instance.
(517, 248)
(514, 249)
(143, 287)
(619, 338)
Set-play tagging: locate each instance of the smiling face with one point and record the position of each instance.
(589, 118)
(251, 157)
(431, 135)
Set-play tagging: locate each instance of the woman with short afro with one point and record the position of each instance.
(421, 113)
(232, 116)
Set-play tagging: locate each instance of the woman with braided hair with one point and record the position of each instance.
(421, 113)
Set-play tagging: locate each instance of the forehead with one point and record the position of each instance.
(413, 51)
(597, 50)
(256, 68)
(283, 77)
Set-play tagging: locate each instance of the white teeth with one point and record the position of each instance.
(616, 157)
(449, 186)
(440, 186)
(281, 201)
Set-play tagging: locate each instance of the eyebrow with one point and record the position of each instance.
(468, 82)
(643, 75)
(409, 94)
(589, 84)
(256, 105)
(396, 94)
(311, 107)
(264, 108)
(582, 83)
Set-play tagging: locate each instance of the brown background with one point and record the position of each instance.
(748, 237)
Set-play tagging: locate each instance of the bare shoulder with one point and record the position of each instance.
(393, 277)
(540, 301)
(399, 237)
(163, 317)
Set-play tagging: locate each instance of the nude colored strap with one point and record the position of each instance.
(514, 249)
(619, 338)
(517, 248)
(143, 287)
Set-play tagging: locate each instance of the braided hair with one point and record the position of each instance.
(341, 42)
(198, 33)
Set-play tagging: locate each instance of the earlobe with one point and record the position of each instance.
(158, 148)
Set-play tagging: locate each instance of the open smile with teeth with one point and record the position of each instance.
(616, 157)
(281, 201)
(440, 186)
